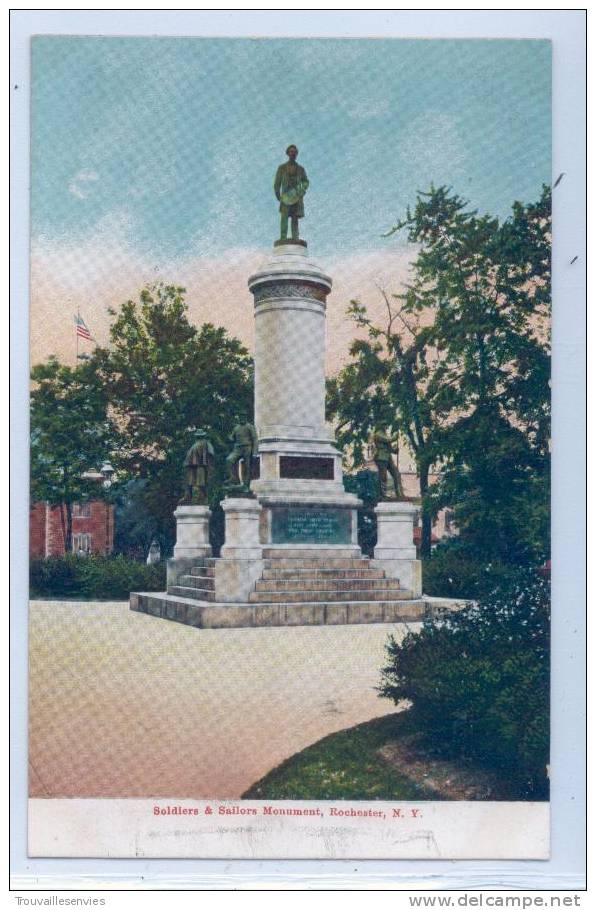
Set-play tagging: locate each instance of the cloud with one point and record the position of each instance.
(78, 186)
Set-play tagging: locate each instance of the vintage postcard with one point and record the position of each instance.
(290, 448)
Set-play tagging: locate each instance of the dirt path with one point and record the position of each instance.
(123, 704)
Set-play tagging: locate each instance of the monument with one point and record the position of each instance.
(291, 553)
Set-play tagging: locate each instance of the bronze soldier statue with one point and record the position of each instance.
(291, 183)
(383, 456)
(246, 447)
(198, 466)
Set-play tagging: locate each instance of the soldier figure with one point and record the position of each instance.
(246, 447)
(383, 456)
(198, 466)
(289, 187)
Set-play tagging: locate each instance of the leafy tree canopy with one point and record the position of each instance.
(70, 435)
(164, 378)
(461, 369)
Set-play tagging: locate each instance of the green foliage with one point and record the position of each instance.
(478, 681)
(460, 368)
(70, 435)
(498, 488)
(454, 571)
(165, 378)
(134, 526)
(487, 286)
(93, 577)
(54, 577)
(387, 386)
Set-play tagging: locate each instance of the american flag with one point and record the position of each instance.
(81, 329)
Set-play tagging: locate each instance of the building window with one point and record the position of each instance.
(81, 510)
(448, 520)
(81, 543)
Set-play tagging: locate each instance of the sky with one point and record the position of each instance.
(154, 158)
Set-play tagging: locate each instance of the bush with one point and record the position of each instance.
(478, 681)
(452, 571)
(54, 576)
(93, 577)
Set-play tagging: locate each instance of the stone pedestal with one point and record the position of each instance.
(242, 529)
(192, 532)
(395, 551)
(241, 564)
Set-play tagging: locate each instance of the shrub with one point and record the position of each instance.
(478, 681)
(452, 571)
(55, 576)
(94, 577)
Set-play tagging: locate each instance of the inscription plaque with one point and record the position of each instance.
(304, 467)
(315, 525)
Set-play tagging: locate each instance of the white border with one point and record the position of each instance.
(566, 29)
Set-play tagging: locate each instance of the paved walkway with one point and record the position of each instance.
(123, 704)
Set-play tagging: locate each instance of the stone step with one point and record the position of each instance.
(200, 594)
(197, 581)
(322, 573)
(308, 563)
(229, 616)
(203, 571)
(347, 585)
(277, 597)
(311, 553)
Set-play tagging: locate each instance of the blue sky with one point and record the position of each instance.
(182, 136)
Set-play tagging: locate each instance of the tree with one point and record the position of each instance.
(487, 287)
(164, 378)
(387, 385)
(70, 436)
(461, 370)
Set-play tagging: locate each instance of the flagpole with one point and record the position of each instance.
(77, 334)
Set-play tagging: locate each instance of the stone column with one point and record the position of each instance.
(395, 551)
(192, 532)
(300, 466)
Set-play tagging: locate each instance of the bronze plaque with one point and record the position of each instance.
(304, 467)
(311, 524)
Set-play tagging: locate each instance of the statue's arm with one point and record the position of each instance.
(277, 183)
(304, 180)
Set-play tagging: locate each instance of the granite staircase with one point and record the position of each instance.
(296, 587)
(335, 578)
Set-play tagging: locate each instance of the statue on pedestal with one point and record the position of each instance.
(290, 185)
(383, 458)
(198, 467)
(240, 460)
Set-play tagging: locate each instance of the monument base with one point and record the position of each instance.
(287, 586)
(205, 615)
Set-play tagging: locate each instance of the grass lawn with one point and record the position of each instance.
(387, 758)
(344, 765)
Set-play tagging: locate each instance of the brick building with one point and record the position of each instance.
(92, 529)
